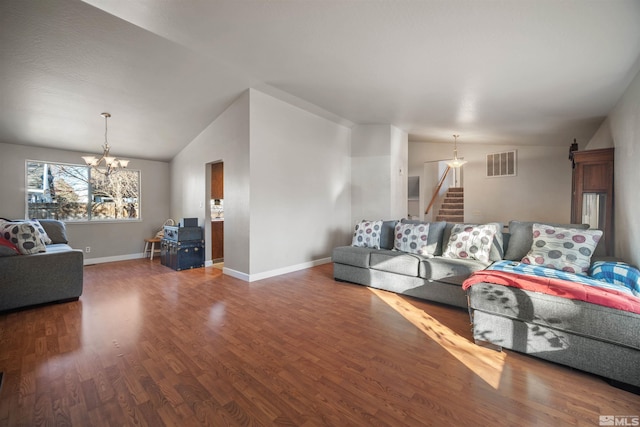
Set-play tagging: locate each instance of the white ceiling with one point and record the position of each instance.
(494, 71)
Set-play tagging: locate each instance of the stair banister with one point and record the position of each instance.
(435, 193)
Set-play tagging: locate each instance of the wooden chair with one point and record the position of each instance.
(153, 241)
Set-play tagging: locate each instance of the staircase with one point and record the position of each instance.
(452, 209)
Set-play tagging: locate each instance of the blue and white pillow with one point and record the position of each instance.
(412, 238)
(367, 234)
(620, 273)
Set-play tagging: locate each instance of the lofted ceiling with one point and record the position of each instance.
(494, 71)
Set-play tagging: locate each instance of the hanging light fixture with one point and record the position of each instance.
(111, 164)
(455, 162)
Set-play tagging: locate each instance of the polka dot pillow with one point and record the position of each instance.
(367, 234)
(412, 238)
(24, 235)
(471, 241)
(565, 249)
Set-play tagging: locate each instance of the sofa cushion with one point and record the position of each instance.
(367, 234)
(24, 236)
(387, 235)
(58, 247)
(449, 270)
(412, 238)
(566, 249)
(468, 241)
(521, 237)
(352, 255)
(56, 230)
(395, 262)
(436, 232)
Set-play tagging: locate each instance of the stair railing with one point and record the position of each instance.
(435, 193)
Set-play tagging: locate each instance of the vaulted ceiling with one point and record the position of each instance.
(499, 71)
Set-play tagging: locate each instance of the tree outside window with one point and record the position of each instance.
(80, 193)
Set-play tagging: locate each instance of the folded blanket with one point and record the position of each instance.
(557, 283)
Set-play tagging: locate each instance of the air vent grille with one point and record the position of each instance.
(501, 164)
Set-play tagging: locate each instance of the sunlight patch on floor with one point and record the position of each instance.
(485, 363)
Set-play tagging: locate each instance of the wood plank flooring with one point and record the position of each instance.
(149, 346)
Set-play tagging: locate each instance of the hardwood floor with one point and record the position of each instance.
(148, 346)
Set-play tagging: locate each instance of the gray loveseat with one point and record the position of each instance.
(52, 276)
(582, 335)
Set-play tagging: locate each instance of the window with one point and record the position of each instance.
(80, 193)
(501, 164)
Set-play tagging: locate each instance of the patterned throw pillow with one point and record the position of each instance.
(40, 231)
(24, 236)
(412, 238)
(367, 234)
(620, 273)
(566, 249)
(471, 241)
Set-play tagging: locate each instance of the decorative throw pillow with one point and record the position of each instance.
(24, 236)
(40, 231)
(620, 273)
(367, 234)
(471, 241)
(565, 249)
(521, 237)
(413, 238)
(7, 248)
(496, 253)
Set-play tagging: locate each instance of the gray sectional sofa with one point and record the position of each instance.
(52, 276)
(593, 338)
(582, 335)
(432, 278)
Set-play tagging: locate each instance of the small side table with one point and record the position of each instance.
(153, 241)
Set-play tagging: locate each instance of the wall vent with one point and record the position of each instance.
(501, 164)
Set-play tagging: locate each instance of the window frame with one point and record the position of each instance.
(90, 219)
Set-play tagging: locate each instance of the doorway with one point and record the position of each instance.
(216, 212)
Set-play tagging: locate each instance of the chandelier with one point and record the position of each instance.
(455, 162)
(111, 164)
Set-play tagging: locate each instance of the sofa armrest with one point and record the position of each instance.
(39, 278)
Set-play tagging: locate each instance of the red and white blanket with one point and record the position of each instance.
(557, 287)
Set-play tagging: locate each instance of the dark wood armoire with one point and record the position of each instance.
(592, 198)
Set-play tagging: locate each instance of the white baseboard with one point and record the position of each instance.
(235, 273)
(89, 261)
(225, 270)
(276, 272)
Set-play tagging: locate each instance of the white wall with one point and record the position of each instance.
(300, 195)
(109, 241)
(601, 139)
(541, 191)
(398, 164)
(621, 130)
(226, 139)
(286, 185)
(379, 172)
